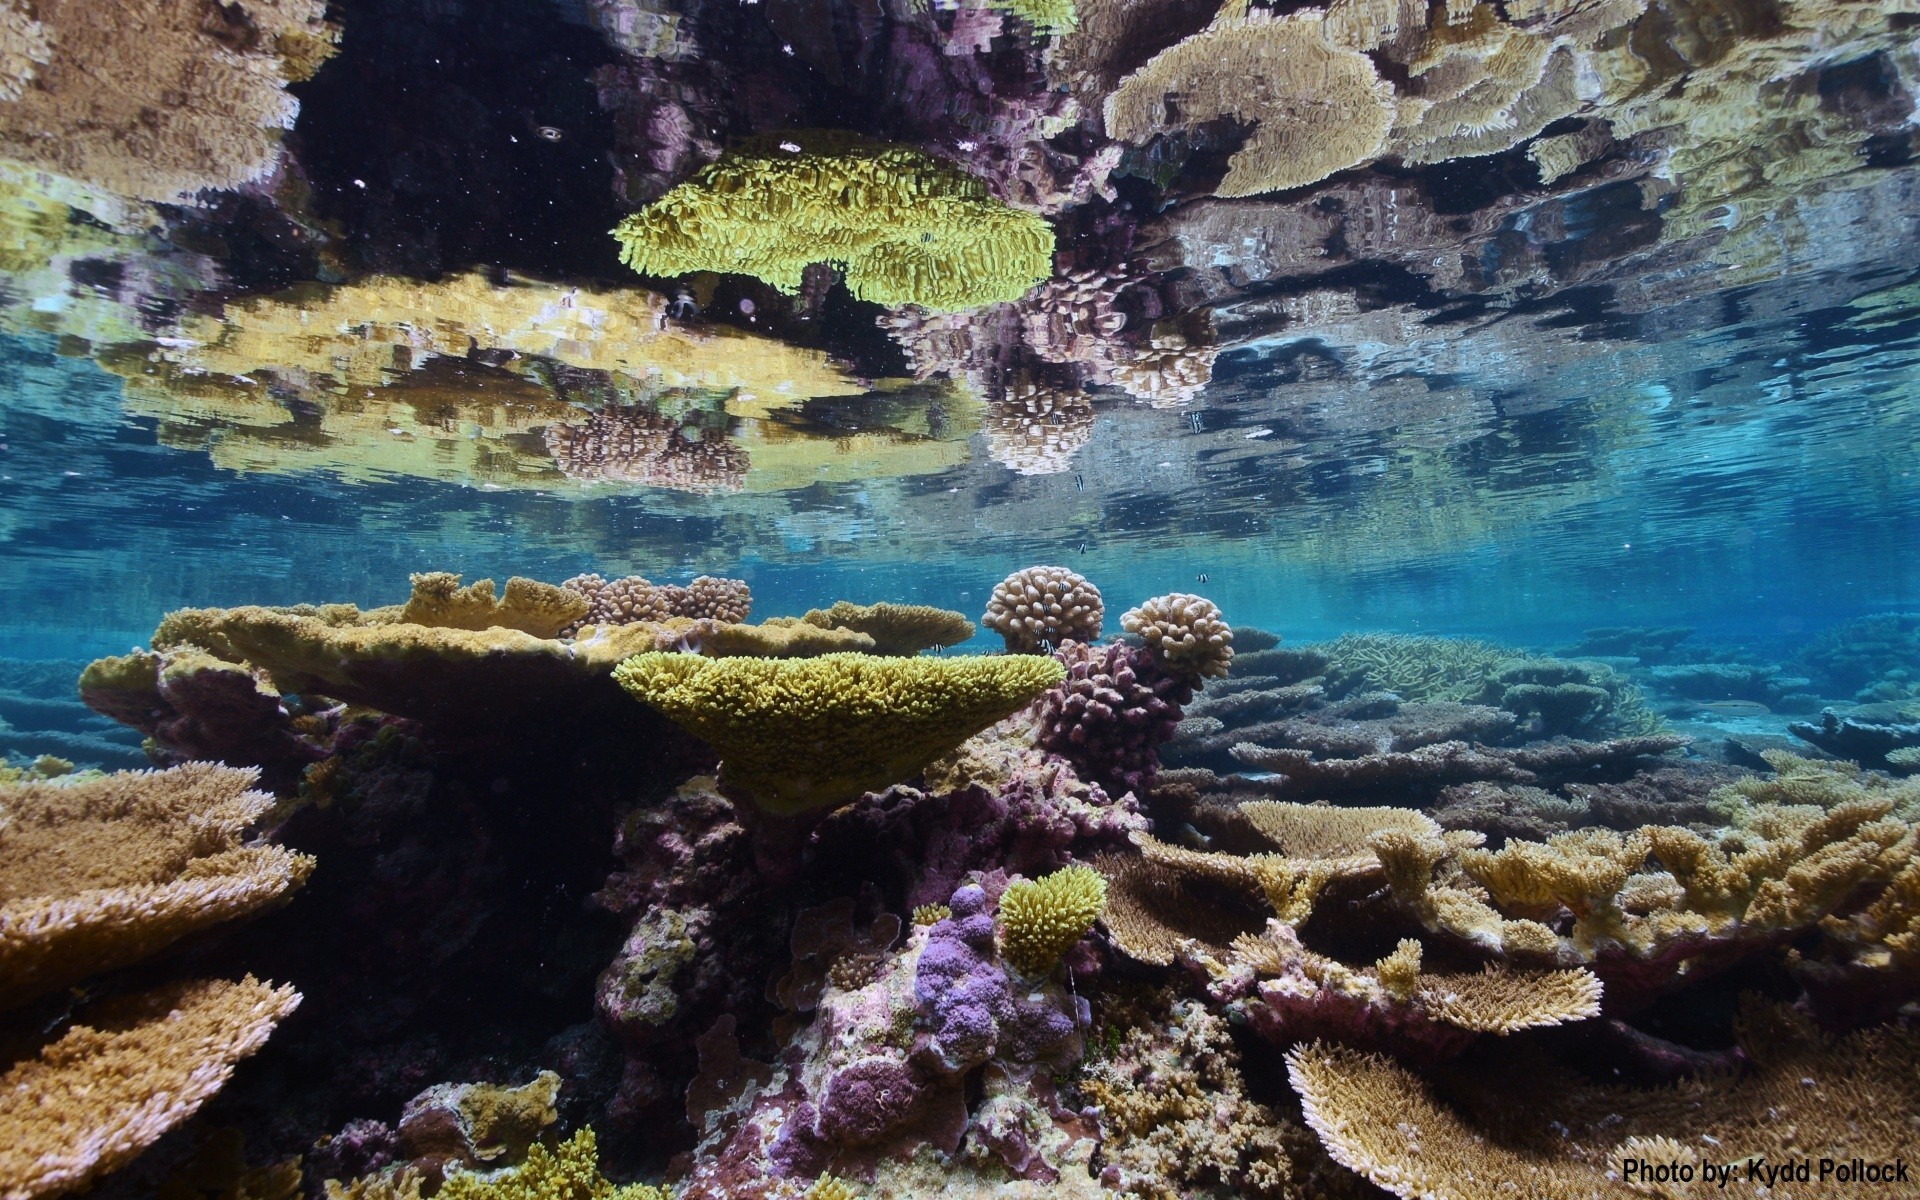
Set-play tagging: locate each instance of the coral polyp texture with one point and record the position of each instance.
(904, 227)
(122, 1075)
(1186, 633)
(1041, 919)
(161, 101)
(163, 858)
(805, 734)
(1040, 608)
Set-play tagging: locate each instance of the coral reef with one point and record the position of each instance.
(1111, 713)
(922, 233)
(1041, 608)
(805, 734)
(1040, 920)
(1185, 633)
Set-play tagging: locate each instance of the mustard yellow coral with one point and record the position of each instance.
(1041, 919)
(906, 228)
(798, 734)
(569, 1172)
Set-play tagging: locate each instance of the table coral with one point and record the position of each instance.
(897, 629)
(1041, 919)
(915, 231)
(1515, 1125)
(1318, 108)
(806, 734)
(1041, 608)
(528, 605)
(162, 858)
(129, 1070)
(163, 100)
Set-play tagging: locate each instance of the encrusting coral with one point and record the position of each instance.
(100, 873)
(1041, 919)
(812, 733)
(905, 228)
(1041, 608)
(126, 1072)
(163, 100)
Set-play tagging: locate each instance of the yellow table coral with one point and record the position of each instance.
(800, 734)
(906, 228)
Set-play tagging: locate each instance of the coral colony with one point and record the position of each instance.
(619, 889)
(860, 918)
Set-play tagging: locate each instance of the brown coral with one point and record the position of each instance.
(1187, 633)
(1315, 108)
(133, 1069)
(99, 873)
(528, 605)
(895, 628)
(165, 98)
(1038, 429)
(1515, 1125)
(635, 444)
(1039, 608)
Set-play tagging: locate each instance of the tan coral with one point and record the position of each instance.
(895, 628)
(1037, 429)
(129, 1071)
(1516, 1125)
(100, 873)
(528, 605)
(166, 98)
(1042, 607)
(635, 444)
(1315, 109)
(1188, 634)
(776, 637)
(23, 49)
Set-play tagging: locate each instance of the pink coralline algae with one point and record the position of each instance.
(882, 1070)
(1111, 714)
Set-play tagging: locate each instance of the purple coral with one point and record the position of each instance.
(1111, 713)
(968, 1004)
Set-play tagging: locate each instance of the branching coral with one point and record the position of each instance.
(906, 228)
(633, 600)
(569, 1172)
(1041, 919)
(1111, 713)
(1315, 108)
(800, 734)
(1513, 1125)
(163, 100)
(1186, 633)
(132, 1069)
(1039, 608)
(99, 873)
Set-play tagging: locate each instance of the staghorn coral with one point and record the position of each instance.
(902, 629)
(1316, 108)
(163, 101)
(1041, 919)
(1040, 608)
(541, 609)
(1110, 713)
(99, 873)
(804, 734)
(129, 1070)
(918, 232)
(1186, 633)
(1514, 1125)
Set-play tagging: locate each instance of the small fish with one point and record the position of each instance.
(549, 133)
(1201, 578)
(1736, 708)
